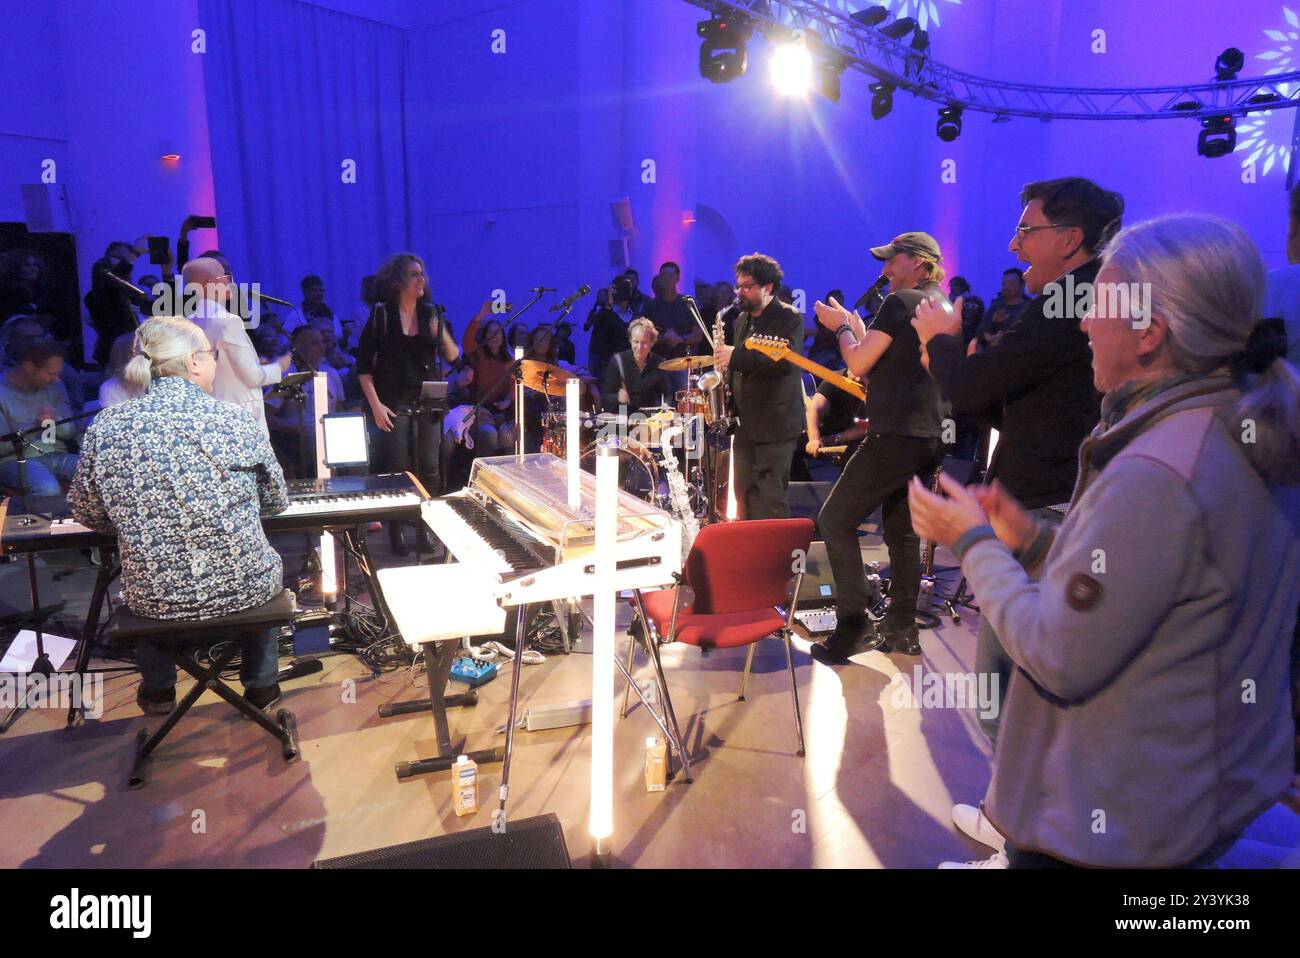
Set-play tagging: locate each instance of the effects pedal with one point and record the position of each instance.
(468, 672)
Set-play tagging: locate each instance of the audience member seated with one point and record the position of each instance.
(32, 396)
(1004, 311)
(115, 388)
(486, 365)
(313, 307)
(184, 479)
(564, 347)
(21, 289)
(292, 422)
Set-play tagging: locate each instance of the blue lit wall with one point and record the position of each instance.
(505, 164)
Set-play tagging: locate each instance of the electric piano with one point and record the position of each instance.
(42, 524)
(514, 525)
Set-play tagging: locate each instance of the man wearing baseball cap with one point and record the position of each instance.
(905, 415)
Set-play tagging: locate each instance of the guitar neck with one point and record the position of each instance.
(830, 375)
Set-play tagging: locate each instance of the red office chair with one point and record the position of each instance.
(735, 577)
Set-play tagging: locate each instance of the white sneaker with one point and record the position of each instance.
(999, 860)
(972, 822)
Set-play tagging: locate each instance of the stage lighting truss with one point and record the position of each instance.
(895, 62)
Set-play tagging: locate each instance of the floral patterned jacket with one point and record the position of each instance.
(183, 480)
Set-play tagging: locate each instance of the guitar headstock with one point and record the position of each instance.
(773, 347)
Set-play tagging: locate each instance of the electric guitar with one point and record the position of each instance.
(777, 349)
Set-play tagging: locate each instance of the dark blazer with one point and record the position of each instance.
(767, 395)
(1038, 382)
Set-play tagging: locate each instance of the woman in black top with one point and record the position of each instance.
(403, 345)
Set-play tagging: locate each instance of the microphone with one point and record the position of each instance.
(874, 292)
(271, 299)
(568, 301)
(125, 283)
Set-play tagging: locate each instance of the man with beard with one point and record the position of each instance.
(766, 395)
(905, 416)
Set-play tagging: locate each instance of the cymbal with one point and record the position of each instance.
(685, 362)
(544, 378)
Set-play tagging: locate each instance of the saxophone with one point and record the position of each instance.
(679, 496)
(713, 383)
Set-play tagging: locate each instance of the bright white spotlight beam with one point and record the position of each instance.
(792, 70)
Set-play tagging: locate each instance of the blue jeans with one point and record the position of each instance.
(43, 473)
(992, 659)
(260, 659)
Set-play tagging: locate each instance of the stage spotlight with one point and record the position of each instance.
(723, 55)
(899, 28)
(829, 71)
(949, 126)
(882, 100)
(870, 16)
(791, 70)
(921, 41)
(1218, 136)
(1229, 64)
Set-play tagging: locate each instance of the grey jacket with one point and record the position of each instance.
(1149, 719)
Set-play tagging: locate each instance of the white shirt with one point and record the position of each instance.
(240, 377)
(1283, 299)
(114, 390)
(295, 319)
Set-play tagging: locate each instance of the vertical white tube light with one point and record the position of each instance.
(519, 409)
(320, 399)
(602, 660)
(572, 440)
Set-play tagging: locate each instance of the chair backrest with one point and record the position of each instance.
(739, 566)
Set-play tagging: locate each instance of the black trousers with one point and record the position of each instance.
(762, 475)
(396, 448)
(876, 476)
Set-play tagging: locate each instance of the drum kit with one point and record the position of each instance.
(644, 439)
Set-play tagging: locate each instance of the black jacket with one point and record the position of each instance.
(1038, 381)
(767, 395)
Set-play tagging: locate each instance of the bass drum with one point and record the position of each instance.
(638, 473)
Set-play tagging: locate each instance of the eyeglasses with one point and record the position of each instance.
(1023, 230)
(216, 353)
(750, 284)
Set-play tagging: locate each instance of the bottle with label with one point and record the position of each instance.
(464, 785)
(656, 765)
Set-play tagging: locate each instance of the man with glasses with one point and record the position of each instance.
(1037, 380)
(240, 376)
(766, 395)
